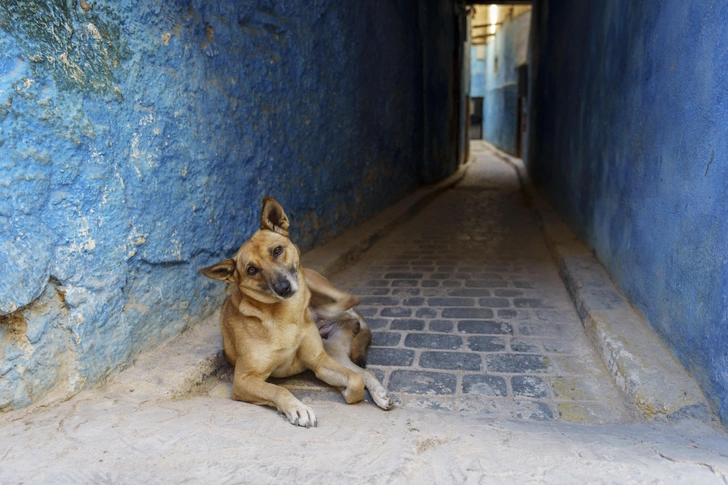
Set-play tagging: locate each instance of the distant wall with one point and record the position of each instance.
(477, 72)
(628, 138)
(137, 139)
(500, 89)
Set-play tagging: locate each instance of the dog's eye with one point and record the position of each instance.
(277, 250)
(252, 271)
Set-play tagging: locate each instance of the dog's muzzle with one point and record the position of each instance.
(285, 286)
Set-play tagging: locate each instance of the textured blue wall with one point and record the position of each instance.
(442, 116)
(628, 137)
(500, 89)
(137, 139)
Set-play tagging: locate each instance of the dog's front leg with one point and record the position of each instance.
(255, 390)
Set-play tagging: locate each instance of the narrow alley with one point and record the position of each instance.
(475, 335)
(529, 198)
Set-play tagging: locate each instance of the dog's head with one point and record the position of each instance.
(266, 266)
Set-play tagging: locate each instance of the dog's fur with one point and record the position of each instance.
(268, 326)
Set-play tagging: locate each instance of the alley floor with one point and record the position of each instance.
(475, 335)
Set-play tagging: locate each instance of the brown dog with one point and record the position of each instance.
(268, 328)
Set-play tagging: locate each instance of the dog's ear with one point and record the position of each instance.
(273, 218)
(223, 271)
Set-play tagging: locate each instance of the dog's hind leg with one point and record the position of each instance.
(360, 342)
(328, 300)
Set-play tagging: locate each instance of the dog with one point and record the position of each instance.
(268, 327)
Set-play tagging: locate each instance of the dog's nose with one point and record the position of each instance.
(283, 288)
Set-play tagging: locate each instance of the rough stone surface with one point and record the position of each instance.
(137, 139)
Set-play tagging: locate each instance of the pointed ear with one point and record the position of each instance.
(223, 271)
(273, 218)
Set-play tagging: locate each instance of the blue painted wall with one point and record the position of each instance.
(137, 139)
(500, 89)
(628, 137)
(477, 73)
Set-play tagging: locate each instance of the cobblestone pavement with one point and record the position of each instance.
(468, 312)
(469, 315)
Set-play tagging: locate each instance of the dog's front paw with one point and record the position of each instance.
(382, 398)
(301, 415)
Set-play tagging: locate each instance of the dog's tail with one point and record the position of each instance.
(360, 342)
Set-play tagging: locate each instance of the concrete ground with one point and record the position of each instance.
(495, 376)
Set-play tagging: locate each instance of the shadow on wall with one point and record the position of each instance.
(137, 140)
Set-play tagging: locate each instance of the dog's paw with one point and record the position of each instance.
(301, 415)
(382, 398)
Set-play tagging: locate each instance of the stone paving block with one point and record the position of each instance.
(385, 339)
(486, 385)
(430, 283)
(389, 356)
(523, 284)
(487, 327)
(518, 363)
(403, 276)
(511, 314)
(396, 312)
(486, 344)
(367, 312)
(451, 302)
(426, 313)
(377, 283)
(469, 292)
(494, 302)
(433, 341)
(441, 326)
(372, 291)
(529, 303)
(422, 382)
(507, 293)
(451, 361)
(379, 301)
(529, 386)
(404, 283)
(377, 323)
(452, 284)
(524, 346)
(406, 292)
(413, 301)
(485, 284)
(407, 324)
(455, 312)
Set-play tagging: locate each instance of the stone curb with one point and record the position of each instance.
(180, 366)
(654, 383)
